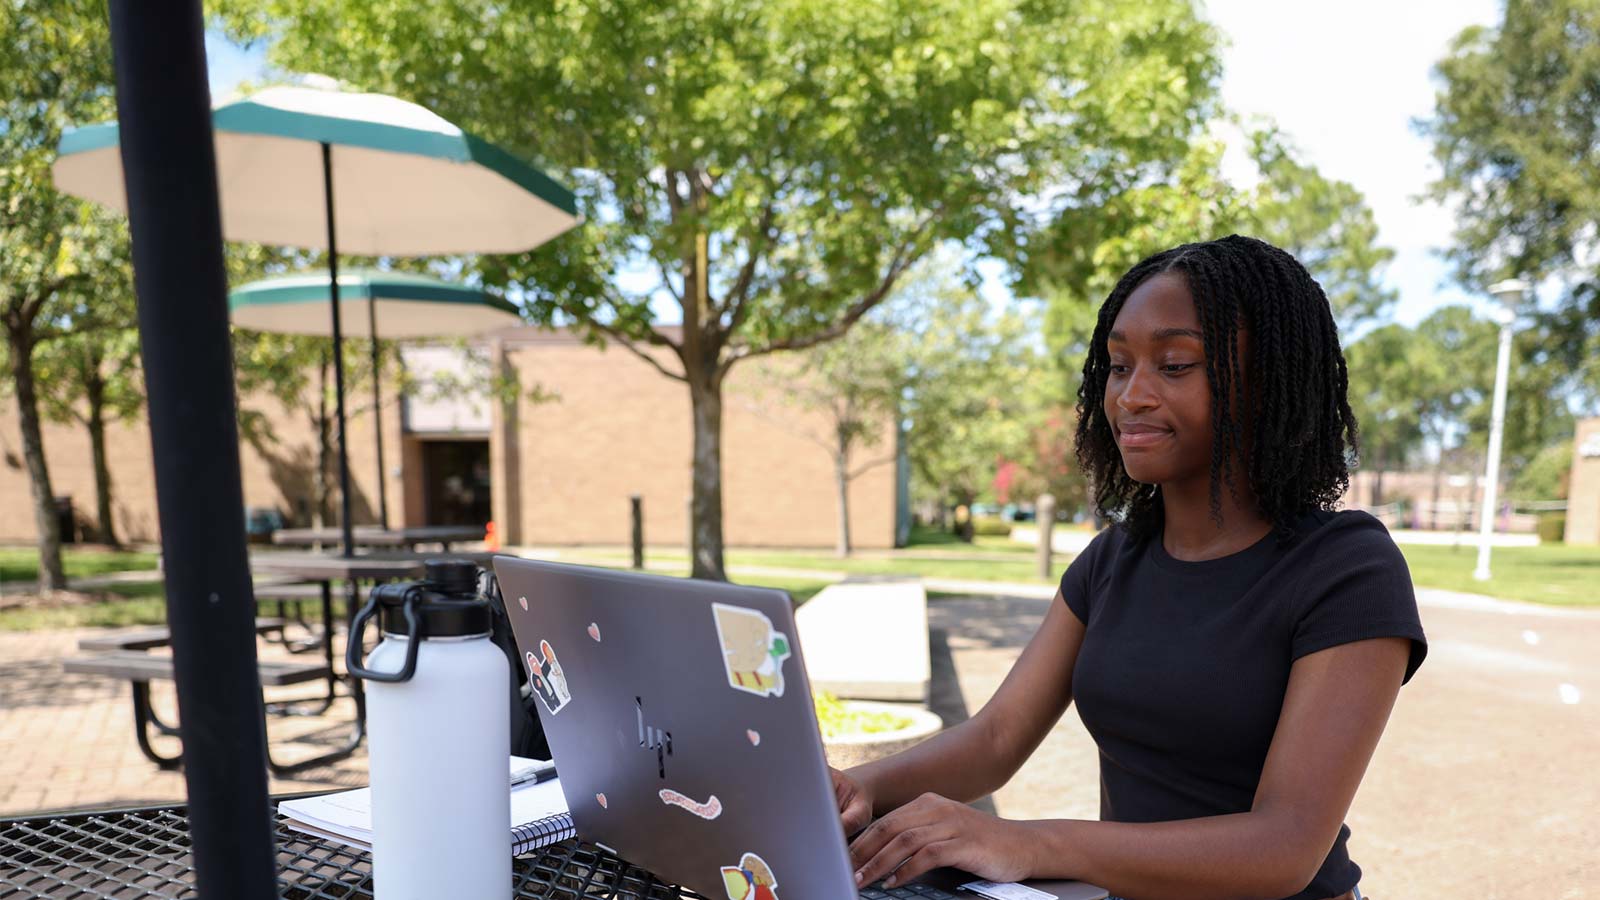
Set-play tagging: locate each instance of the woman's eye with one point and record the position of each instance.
(1119, 369)
(1175, 368)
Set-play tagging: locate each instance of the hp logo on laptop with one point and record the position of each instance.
(652, 738)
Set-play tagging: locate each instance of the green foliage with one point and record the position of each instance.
(1324, 222)
(1546, 476)
(780, 165)
(836, 718)
(968, 397)
(1552, 527)
(1396, 381)
(1515, 131)
(991, 526)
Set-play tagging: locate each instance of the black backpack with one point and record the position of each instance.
(527, 733)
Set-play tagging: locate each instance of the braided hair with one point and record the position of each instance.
(1299, 437)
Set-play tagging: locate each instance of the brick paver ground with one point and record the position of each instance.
(66, 741)
(1485, 784)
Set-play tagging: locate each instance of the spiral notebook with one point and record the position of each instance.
(538, 815)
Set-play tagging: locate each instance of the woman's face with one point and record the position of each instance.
(1157, 398)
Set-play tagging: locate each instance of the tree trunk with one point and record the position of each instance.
(705, 398)
(841, 482)
(96, 391)
(51, 575)
(1377, 486)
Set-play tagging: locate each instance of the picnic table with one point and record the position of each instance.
(375, 536)
(144, 852)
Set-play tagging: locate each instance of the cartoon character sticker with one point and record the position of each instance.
(547, 679)
(751, 650)
(751, 879)
(708, 810)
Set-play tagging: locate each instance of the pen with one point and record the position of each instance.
(534, 774)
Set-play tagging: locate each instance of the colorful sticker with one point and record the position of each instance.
(708, 810)
(594, 632)
(752, 651)
(524, 602)
(751, 879)
(548, 681)
(601, 799)
(754, 736)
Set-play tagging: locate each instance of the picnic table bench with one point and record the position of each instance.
(139, 668)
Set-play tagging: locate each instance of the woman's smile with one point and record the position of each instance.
(1140, 435)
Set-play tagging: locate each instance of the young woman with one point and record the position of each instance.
(1234, 645)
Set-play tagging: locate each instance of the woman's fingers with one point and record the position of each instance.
(893, 852)
(931, 856)
(856, 815)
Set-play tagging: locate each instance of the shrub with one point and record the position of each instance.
(1552, 527)
(991, 527)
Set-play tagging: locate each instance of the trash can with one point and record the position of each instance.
(66, 522)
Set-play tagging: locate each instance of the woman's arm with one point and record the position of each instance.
(979, 755)
(1334, 711)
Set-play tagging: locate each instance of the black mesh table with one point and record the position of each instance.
(131, 853)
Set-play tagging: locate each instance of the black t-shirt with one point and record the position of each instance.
(1184, 665)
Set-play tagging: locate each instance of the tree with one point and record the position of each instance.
(1515, 129)
(773, 168)
(92, 377)
(1395, 374)
(854, 386)
(1325, 223)
(55, 64)
(968, 401)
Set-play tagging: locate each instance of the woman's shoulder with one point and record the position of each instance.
(1346, 534)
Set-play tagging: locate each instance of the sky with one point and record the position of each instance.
(1344, 81)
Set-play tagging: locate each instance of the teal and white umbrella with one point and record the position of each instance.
(315, 167)
(397, 305)
(405, 181)
(376, 303)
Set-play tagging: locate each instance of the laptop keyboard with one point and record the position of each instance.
(905, 892)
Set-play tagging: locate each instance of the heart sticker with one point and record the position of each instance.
(601, 799)
(524, 602)
(754, 736)
(594, 632)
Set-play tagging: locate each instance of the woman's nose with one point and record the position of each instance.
(1136, 393)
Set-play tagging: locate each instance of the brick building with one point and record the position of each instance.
(557, 470)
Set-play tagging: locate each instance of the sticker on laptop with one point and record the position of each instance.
(751, 879)
(601, 799)
(594, 632)
(752, 651)
(548, 681)
(708, 810)
(754, 736)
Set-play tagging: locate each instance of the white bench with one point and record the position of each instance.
(867, 640)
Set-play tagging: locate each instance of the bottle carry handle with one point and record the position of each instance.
(358, 627)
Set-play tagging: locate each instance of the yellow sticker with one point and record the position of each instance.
(752, 651)
(751, 879)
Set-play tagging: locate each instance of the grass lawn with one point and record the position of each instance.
(22, 563)
(1550, 573)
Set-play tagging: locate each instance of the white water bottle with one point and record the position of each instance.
(439, 740)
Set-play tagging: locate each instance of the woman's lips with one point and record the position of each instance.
(1141, 436)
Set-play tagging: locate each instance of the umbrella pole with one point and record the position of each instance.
(170, 166)
(377, 410)
(347, 540)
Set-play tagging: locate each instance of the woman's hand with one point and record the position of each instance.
(933, 831)
(855, 802)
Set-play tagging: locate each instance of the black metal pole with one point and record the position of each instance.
(377, 408)
(347, 540)
(636, 509)
(169, 163)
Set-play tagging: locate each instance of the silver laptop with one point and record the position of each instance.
(682, 725)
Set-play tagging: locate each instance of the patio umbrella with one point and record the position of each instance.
(404, 182)
(404, 305)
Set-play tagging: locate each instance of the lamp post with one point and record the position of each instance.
(1510, 293)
